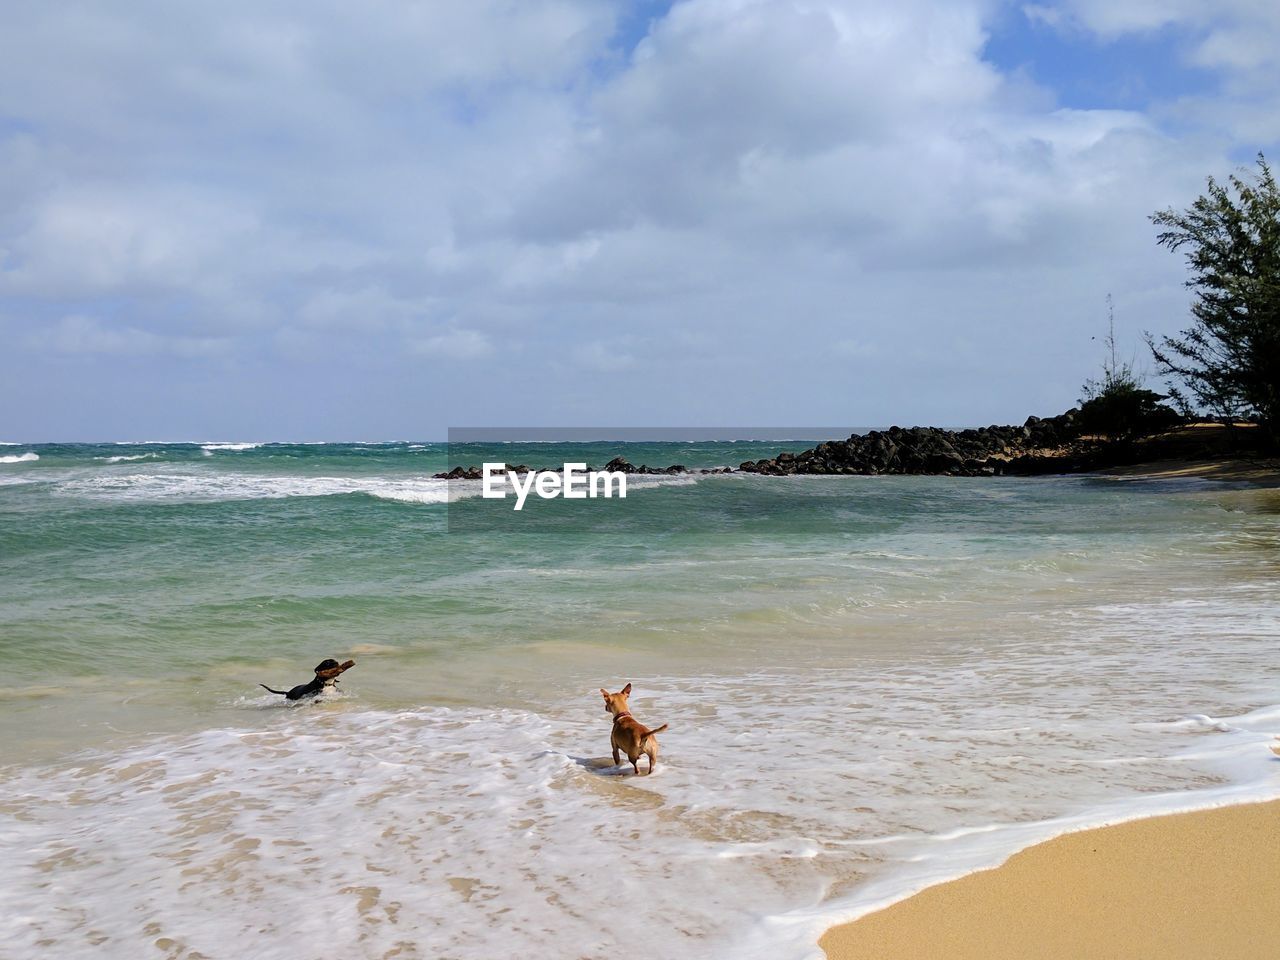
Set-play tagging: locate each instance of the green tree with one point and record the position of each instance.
(1118, 405)
(1228, 360)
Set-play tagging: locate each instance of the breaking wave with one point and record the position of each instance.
(211, 448)
(188, 487)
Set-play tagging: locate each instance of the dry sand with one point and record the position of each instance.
(1193, 886)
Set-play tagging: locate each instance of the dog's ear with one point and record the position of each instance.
(626, 691)
(604, 693)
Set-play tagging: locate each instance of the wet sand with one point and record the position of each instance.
(1182, 887)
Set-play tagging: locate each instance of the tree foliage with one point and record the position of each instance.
(1118, 405)
(1228, 360)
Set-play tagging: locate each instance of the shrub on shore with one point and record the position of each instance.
(1118, 406)
(1126, 411)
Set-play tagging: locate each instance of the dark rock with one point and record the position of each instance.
(983, 451)
(459, 473)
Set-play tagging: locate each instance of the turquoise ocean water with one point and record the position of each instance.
(872, 683)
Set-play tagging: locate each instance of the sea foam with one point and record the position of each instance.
(193, 484)
(202, 487)
(21, 458)
(456, 828)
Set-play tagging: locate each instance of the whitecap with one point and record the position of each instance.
(123, 459)
(211, 487)
(211, 447)
(28, 457)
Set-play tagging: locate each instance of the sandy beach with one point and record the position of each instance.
(1206, 451)
(1259, 473)
(1182, 887)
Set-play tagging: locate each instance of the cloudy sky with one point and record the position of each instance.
(323, 220)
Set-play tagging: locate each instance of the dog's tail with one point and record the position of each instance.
(650, 733)
(283, 693)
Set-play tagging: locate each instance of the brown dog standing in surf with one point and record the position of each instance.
(629, 736)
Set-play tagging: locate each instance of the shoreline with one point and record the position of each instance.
(1262, 473)
(1179, 885)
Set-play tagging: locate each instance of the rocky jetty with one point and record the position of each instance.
(622, 465)
(616, 465)
(1049, 445)
(475, 473)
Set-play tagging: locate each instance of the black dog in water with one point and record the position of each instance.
(326, 676)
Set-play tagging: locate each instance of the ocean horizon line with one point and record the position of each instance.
(712, 435)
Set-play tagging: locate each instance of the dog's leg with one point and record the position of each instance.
(617, 757)
(635, 764)
(651, 749)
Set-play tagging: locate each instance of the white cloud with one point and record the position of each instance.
(102, 238)
(88, 335)
(454, 344)
(313, 184)
(603, 356)
(1114, 17)
(852, 347)
(1239, 37)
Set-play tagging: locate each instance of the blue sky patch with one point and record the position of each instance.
(1129, 72)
